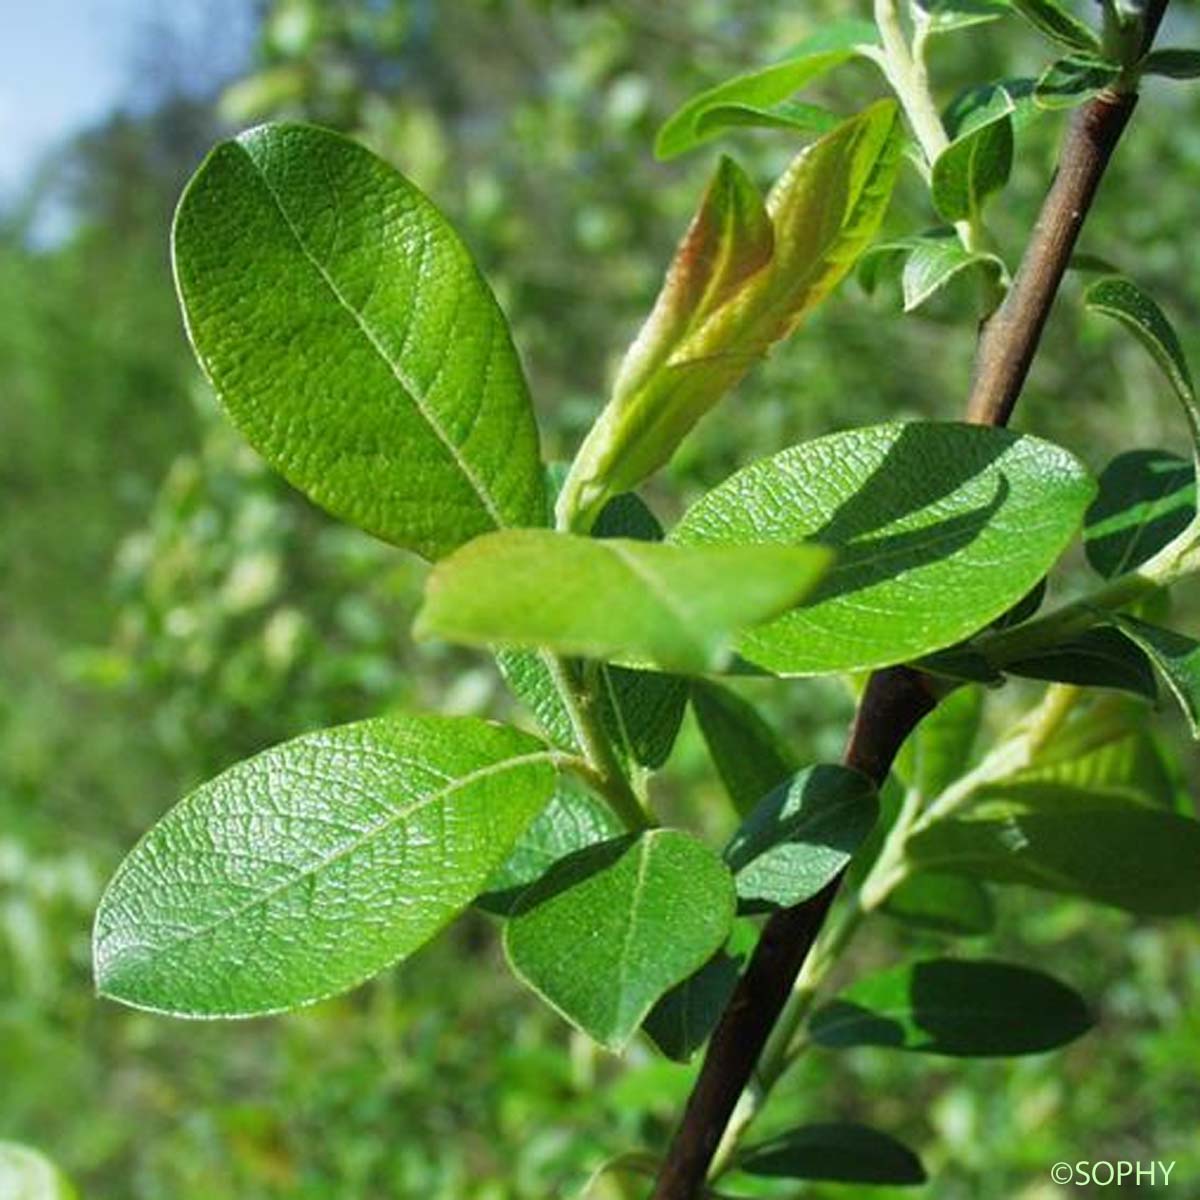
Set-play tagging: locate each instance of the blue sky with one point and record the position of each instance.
(65, 63)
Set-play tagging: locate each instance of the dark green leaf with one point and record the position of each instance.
(608, 930)
(1127, 303)
(675, 606)
(801, 835)
(679, 1024)
(840, 1151)
(1146, 499)
(975, 165)
(838, 42)
(977, 103)
(749, 756)
(1173, 63)
(1100, 657)
(1025, 608)
(300, 872)
(946, 1006)
(351, 339)
(1177, 658)
(1071, 81)
(961, 663)
(950, 904)
(1100, 845)
(1052, 20)
(573, 820)
(938, 529)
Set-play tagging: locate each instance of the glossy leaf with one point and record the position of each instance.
(1177, 658)
(351, 339)
(1101, 657)
(610, 929)
(1146, 499)
(835, 44)
(977, 103)
(975, 165)
(801, 835)
(674, 606)
(787, 114)
(840, 1152)
(1060, 838)
(947, 904)
(1128, 304)
(1070, 81)
(938, 529)
(679, 1024)
(1055, 22)
(1173, 62)
(573, 820)
(933, 263)
(749, 756)
(304, 870)
(975, 1008)
(823, 211)
(27, 1175)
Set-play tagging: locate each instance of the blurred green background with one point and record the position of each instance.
(168, 606)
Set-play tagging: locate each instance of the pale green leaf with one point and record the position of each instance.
(975, 165)
(840, 1152)
(675, 606)
(973, 1008)
(749, 756)
(350, 337)
(1146, 499)
(306, 869)
(626, 1177)
(1177, 658)
(938, 529)
(939, 750)
(835, 44)
(610, 929)
(801, 836)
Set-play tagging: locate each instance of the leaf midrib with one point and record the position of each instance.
(419, 400)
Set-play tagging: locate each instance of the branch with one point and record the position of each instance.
(896, 699)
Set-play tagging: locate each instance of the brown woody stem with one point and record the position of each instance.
(897, 698)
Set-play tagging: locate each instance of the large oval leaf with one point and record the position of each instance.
(937, 528)
(609, 930)
(947, 1006)
(351, 339)
(300, 872)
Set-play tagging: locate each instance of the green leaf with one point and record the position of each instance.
(975, 1008)
(625, 1177)
(938, 529)
(679, 1024)
(1177, 658)
(788, 114)
(351, 339)
(837, 43)
(840, 1152)
(961, 663)
(1053, 21)
(675, 606)
(1127, 303)
(27, 1175)
(610, 929)
(975, 165)
(573, 820)
(1070, 81)
(306, 869)
(939, 749)
(933, 263)
(1173, 62)
(979, 102)
(1102, 657)
(698, 343)
(801, 835)
(749, 756)
(1099, 845)
(1146, 499)
(1025, 608)
(531, 679)
(947, 904)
